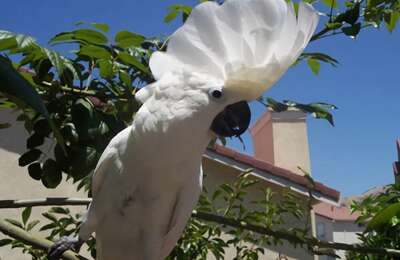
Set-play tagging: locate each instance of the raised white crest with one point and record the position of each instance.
(245, 43)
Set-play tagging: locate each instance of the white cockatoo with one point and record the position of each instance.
(149, 177)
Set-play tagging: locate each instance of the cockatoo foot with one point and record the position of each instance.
(62, 245)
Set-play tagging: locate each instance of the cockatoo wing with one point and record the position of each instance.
(242, 42)
(108, 164)
(186, 201)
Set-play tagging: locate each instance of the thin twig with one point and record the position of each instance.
(34, 241)
(319, 34)
(311, 242)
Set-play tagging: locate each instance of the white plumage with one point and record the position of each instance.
(149, 177)
(249, 43)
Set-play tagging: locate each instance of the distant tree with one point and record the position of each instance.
(381, 215)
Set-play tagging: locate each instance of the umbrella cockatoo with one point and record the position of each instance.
(149, 177)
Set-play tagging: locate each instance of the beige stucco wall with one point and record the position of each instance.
(346, 232)
(339, 231)
(17, 184)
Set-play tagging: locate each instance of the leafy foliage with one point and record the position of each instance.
(318, 110)
(86, 98)
(200, 238)
(381, 214)
(27, 225)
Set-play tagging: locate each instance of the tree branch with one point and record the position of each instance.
(36, 242)
(58, 201)
(313, 243)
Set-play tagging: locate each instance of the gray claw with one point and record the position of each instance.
(62, 245)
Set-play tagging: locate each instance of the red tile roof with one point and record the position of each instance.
(281, 172)
(335, 213)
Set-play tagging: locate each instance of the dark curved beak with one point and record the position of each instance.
(233, 121)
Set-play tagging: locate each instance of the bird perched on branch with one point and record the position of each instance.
(149, 177)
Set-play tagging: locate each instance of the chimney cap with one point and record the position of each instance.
(289, 115)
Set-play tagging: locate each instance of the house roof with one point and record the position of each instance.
(341, 213)
(275, 171)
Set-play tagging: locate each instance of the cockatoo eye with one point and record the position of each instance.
(216, 93)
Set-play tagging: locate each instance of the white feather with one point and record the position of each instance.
(248, 44)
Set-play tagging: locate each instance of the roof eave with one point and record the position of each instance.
(320, 193)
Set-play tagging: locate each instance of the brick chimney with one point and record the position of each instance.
(281, 139)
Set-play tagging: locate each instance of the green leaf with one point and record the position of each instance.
(55, 60)
(382, 219)
(86, 158)
(48, 226)
(26, 213)
(50, 216)
(317, 110)
(70, 66)
(128, 59)
(35, 171)
(324, 115)
(52, 175)
(331, 3)
(333, 26)
(101, 26)
(274, 105)
(320, 57)
(350, 16)
(90, 36)
(95, 52)
(14, 222)
(34, 140)
(12, 83)
(314, 66)
(15, 85)
(394, 18)
(353, 30)
(106, 69)
(29, 157)
(23, 41)
(42, 127)
(62, 37)
(59, 210)
(216, 194)
(174, 10)
(32, 224)
(4, 242)
(171, 16)
(127, 39)
(125, 78)
(4, 125)
(69, 132)
(8, 43)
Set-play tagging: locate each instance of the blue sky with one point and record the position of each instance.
(353, 156)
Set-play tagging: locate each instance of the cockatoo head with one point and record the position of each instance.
(231, 53)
